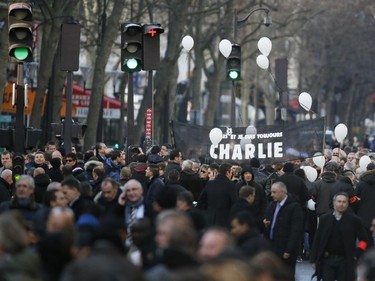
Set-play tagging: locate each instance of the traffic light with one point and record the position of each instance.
(20, 20)
(18, 165)
(131, 47)
(234, 63)
(151, 46)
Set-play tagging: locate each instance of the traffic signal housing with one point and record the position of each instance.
(151, 46)
(131, 47)
(18, 163)
(234, 63)
(20, 31)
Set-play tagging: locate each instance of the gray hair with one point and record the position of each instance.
(29, 179)
(280, 185)
(187, 165)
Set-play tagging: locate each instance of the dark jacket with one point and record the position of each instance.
(366, 192)
(344, 184)
(41, 183)
(154, 187)
(110, 207)
(191, 181)
(27, 207)
(321, 192)
(260, 201)
(242, 205)
(217, 199)
(351, 230)
(84, 205)
(296, 187)
(170, 167)
(55, 174)
(252, 243)
(6, 190)
(288, 229)
(112, 169)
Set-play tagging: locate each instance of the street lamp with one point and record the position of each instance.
(267, 20)
(236, 21)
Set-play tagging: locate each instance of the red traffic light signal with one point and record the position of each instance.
(20, 31)
(151, 46)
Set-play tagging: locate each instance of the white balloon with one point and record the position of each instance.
(311, 173)
(263, 62)
(340, 132)
(364, 161)
(311, 205)
(188, 42)
(305, 101)
(265, 45)
(251, 130)
(225, 47)
(216, 135)
(244, 142)
(319, 160)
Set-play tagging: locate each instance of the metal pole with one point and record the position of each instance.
(130, 113)
(233, 106)
(68, 114)
(19, 135)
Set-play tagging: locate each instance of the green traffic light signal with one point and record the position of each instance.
(233, 75)
(131, 63)
(21, 53)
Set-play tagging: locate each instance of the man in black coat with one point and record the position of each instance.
(366, 192)
(71, 188)
(294, 184)
(6, 185)
(248, 178)
(249, 241)
(175, 159)
(335, 249)
(218, 197)
(190, 180)
(284, 224)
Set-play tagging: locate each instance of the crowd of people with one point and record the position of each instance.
(128, 215)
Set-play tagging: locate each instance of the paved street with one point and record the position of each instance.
(304, 271)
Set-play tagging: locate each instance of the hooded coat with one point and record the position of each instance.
(260, 202)
(366, 192)
(321, 192)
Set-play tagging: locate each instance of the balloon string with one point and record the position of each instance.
(287, 92)
(302, 104)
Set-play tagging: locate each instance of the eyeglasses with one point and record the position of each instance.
(203, 172)
(69, 160)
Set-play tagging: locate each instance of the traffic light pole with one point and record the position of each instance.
(68, 113)
(233, 106)
(19, 137)
(130, 113)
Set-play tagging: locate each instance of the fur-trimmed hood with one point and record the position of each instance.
(368, 177)
(90, 165)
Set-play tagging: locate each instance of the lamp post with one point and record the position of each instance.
(236, 21)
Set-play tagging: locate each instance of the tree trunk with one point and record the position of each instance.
(103, 53)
